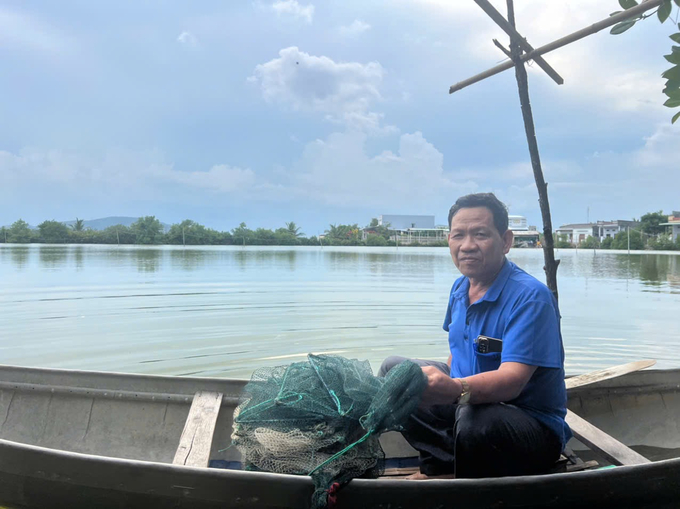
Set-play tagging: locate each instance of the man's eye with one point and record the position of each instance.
(457, 236)
(481, 235)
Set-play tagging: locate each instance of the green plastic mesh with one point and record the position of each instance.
(323, 417)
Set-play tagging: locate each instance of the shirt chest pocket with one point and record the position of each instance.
(486, 361)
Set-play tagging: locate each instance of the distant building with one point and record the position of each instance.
(604, 229)
(524, 236)
(410, 229)
(400, 222)
(517, 223)
(575, 233)
(674, 222)
(600, 230)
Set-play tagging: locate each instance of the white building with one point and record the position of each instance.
(411, 229)
(518, 223)
(575, 233)
(600, 230)
(524, 236)
(674, 221)
(404, 222)
(604, 229)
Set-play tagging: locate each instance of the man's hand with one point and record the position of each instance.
(441, 388)
(503, 384)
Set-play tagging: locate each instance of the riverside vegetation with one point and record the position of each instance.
(149, 230)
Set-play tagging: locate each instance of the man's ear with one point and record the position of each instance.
(507, 240)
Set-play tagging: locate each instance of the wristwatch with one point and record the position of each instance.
(465, 395)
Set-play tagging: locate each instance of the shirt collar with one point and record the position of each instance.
(494, 290)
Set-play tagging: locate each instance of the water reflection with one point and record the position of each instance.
(53, 257)
(187, 259)
(650, 268)
(656, 269)
(79, 256)
(241, 257)
(148, 260)
(18, 254)
(280, 259)
(265, 258)
(343, 261)
(361, 302)
(653, 270)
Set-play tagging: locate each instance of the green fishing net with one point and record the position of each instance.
(323, 417)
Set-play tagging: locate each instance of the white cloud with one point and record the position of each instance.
(220, 178)
(342, 91)
(188, 39)
(601, 70)
(355, 29)
(293, 9)
(338, 171)
(20, 30)
(117, 172)
(661, 149)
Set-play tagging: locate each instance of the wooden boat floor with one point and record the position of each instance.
(652, 453)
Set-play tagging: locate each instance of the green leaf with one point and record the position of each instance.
(677, 2)
(672, 74)
(671, 86)
(619, 28)
(672, 103)
(675, 117)
(664, 10)
(673, 58)
(675, 37)
(673, 94)
(627, 4)
(675, 49)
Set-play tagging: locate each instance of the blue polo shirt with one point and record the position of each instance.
(522, 312)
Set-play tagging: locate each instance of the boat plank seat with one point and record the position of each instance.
(602, 443)
(197, 436)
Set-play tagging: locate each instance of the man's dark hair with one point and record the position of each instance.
(488, 200)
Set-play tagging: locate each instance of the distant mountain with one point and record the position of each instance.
(105, 222)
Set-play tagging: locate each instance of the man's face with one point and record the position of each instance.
(476, 246)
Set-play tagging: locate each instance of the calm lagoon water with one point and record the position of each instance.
(224, 311)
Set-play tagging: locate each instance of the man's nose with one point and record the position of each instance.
(468, 243)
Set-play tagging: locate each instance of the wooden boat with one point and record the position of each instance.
(75, 439)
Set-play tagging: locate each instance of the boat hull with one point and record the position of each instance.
(39, 478)
(112, 447)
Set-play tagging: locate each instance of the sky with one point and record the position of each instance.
(323, 112)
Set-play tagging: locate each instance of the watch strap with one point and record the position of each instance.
(465, 395)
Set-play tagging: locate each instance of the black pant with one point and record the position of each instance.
(490, 440)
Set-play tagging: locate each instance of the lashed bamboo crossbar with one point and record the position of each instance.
(524, 44)
(580, 34)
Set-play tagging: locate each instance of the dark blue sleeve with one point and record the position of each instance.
(532, 335)
(447, 317)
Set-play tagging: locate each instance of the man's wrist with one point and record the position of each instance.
(464, 396)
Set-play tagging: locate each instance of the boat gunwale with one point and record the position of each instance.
(222, 472)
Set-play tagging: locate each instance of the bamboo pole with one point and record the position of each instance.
(498, 18)
(580, 34)
(523, 87)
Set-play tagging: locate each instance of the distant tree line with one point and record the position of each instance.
(149, 230)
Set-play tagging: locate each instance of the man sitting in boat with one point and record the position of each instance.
(497, 407)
